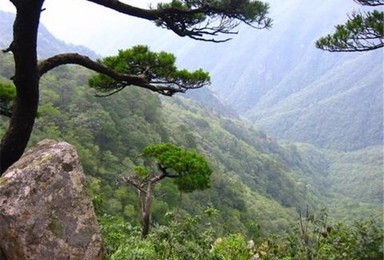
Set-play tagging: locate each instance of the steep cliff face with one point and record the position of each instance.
(45, 212)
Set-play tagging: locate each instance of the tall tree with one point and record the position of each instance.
(188, 169)
(205, 20)
(362, 31)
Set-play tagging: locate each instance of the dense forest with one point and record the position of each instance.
(267, 200)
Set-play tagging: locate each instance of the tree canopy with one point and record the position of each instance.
(199, 20)
(188, 169)
(204, 20)
(362, 31)
(158, 69)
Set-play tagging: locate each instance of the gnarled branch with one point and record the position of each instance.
(198, 19)
(5, 112)
(10, 48)
(165, 173)
(131, 180)
(143, 81)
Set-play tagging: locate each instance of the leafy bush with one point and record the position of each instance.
(186, 237)
(314, 238)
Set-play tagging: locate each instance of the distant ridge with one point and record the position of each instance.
(48, 45)
(281, 82)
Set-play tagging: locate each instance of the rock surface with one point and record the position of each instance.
(45, 212)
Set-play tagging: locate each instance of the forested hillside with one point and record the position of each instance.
(281, 82)
(110, 134)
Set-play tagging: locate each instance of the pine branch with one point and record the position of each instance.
(199, 20)
(141, 80)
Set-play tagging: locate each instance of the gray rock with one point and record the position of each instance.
(45, 212)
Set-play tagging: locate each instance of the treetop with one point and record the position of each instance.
(189, 170)
(198, 19)
(157, 71)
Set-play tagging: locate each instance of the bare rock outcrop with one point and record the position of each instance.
(45, 212)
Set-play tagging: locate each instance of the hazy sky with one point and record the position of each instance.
(80, 21)
(105, 31)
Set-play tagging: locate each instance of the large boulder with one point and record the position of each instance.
(45, 212)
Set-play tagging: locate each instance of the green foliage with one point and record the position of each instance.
(315, 238)
(187, 237)
(203, 19)
(239, 149)
(7, 91)
(115, 232)
(157, 68)
(244, 10)
(7, 95)
(191, 168)
(141, 171)
(234, 246)
(362, 32)
(355, 182)
(188, 169)
(361, 240)
(184, 237)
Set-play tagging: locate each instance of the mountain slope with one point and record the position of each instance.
(294, 91)
(280, 81)
(47, 44)
(340, 110)
(355, 182)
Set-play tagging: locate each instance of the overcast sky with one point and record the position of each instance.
(82, 22)
(105, 31)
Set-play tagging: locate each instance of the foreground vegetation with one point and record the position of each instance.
(187, 237)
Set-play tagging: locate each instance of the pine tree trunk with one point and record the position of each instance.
(146, 210)
(26, 80)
